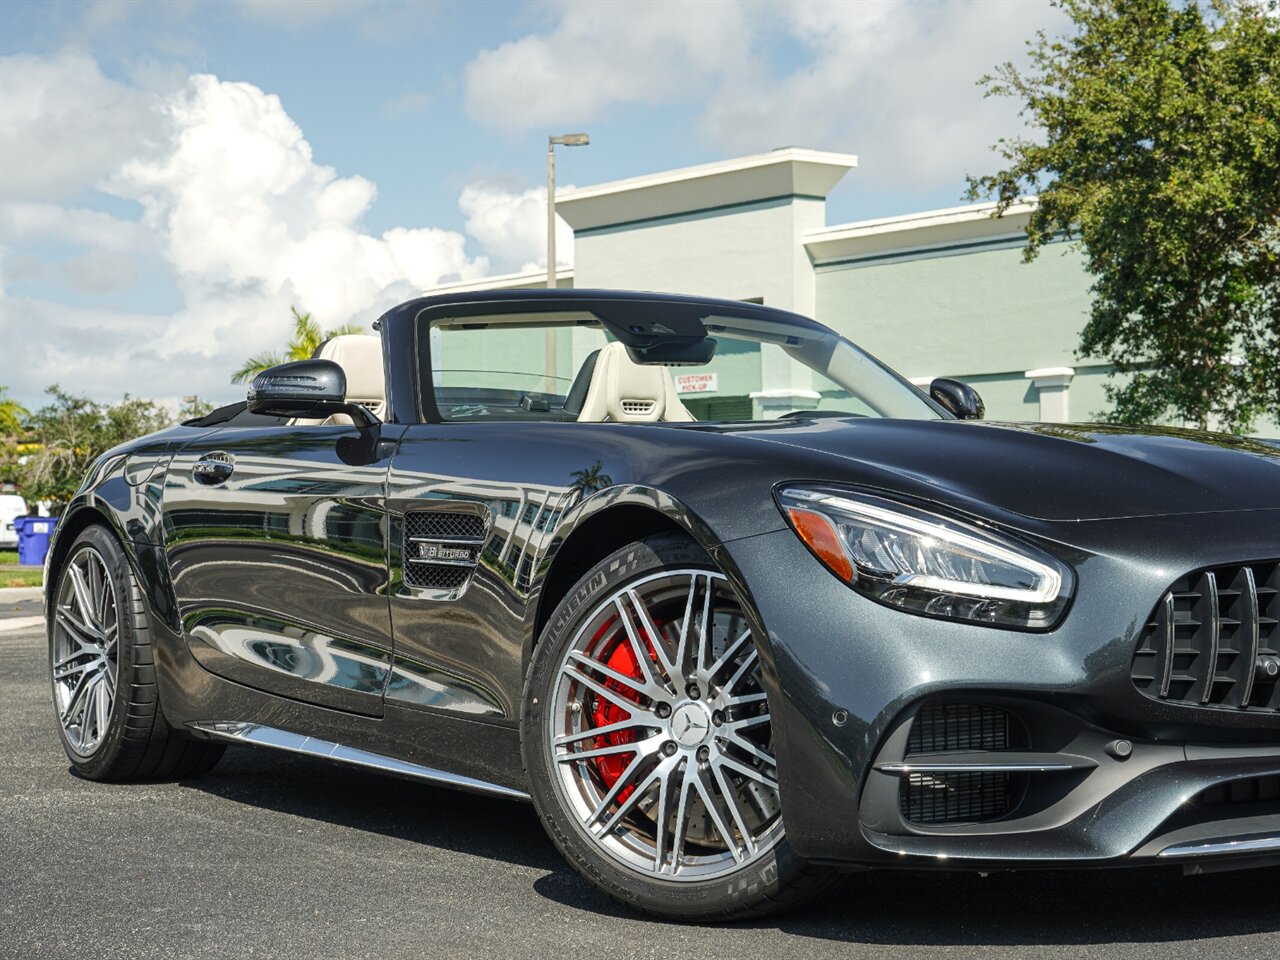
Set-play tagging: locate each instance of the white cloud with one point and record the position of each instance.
(247, 223)
(64, 124)
(243, 208)
(100, 272)
(512, 227)
(893, 82)
(33, 221)
(600, 54)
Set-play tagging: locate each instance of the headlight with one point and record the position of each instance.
(928, 564)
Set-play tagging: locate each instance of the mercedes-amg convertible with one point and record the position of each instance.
(734, 605)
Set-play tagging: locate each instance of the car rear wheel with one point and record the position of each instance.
(103, 674)
(647, 739)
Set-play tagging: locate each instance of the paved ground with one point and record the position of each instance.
(277, 856)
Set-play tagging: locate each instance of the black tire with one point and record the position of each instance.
(136, 742)
(776, 880)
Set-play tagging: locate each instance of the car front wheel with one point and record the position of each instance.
(103, 674)
(647, 740)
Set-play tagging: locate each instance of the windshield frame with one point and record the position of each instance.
(637, 320)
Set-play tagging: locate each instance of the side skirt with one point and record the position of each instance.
(264, 736)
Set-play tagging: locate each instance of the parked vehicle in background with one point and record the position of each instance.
(725, 658)
(12, 506)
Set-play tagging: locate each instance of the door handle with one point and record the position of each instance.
(214, 467)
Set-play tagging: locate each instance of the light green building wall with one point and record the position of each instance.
(976, 312)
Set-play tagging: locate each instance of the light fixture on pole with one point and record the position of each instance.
(568, 140)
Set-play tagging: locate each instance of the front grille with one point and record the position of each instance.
(441, 549)
(958, 797)
(1214, 640)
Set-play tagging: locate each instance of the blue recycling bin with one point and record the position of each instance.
(33, 538)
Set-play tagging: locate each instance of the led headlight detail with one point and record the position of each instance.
(926, 563)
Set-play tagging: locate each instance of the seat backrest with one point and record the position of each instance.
(577, 394)
(624, 391)
(360, 357)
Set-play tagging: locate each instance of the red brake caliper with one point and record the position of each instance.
(621, 660)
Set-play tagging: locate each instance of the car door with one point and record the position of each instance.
(477, 490)
(472, 510)
(277, 544)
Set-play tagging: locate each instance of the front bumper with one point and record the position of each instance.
(1127, 779)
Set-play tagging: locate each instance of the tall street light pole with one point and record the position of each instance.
(567, 140)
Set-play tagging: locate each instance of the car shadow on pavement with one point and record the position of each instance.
(1134, 905)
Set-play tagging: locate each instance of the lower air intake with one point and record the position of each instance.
(969, 797)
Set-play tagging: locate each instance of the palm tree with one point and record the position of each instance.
(307, 337)
(591, 479)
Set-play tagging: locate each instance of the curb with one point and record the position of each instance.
(14, 624)
(18, 594)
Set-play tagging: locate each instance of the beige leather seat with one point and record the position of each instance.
(624, 391)
(360, 357)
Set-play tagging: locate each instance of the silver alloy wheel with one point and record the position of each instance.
(660, 731)
(84, 652)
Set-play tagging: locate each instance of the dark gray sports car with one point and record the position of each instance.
(792, 617)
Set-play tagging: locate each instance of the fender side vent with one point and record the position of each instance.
(441, 550)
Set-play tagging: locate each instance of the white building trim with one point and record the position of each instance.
(789, 172)
(1053, 383)
(916, 232)
(524, 280)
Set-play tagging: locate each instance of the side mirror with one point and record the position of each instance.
(306, 388)
(957, 398)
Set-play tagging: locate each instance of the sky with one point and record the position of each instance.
(175, 174)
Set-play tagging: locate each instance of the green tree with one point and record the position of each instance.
(71, 432)
(1158, 147)
(307, 337)
(11, 431)
(193, 408)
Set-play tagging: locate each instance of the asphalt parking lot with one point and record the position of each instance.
(279, 856)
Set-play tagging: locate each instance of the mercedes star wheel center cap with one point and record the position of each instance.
(690, 724)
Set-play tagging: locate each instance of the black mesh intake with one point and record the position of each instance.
(958, 797)
(436, 577)
(444, 525)
(1214, 640)
(441, 549)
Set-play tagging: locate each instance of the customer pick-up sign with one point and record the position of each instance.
(696, 383)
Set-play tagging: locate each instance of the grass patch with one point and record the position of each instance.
(21, 578)
(8, 557)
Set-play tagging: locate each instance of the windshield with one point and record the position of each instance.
(569, 366)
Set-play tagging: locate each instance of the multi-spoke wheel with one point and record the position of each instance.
(648, 740)
(85, 637)
(103, 675)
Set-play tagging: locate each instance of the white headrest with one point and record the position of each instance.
(628, 392)
(360, 357)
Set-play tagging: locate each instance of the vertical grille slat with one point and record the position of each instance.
(1207, 640)
(1207, 661)
(1249, 635)
(1164, 624)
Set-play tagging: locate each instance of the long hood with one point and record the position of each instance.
(1052, 472)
